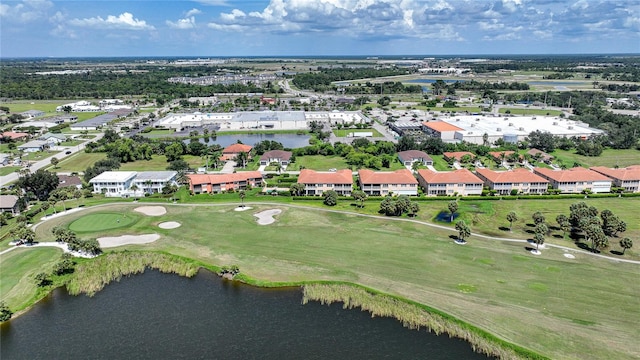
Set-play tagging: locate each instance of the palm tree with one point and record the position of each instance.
(242, 158)
(511, 217)
(453, 207)
(626, 243)
(463, 230)
(538, 238)
(538, 218)
(242, 195)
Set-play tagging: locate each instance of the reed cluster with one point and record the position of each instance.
(93, 275)
(414, 316)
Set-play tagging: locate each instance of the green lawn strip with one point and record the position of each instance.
(346, 132)
(609, 158)
(48, 106)
(527, 111)
(439, 163)
(159, 163)
(421, 264)
(102, 221)
(18, 267)
(78, 162)
(6, 170)
(319, 163)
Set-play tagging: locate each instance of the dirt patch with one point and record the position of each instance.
(151, 210)
(242, 208)
(107, 242)
(267, 217)
(169, 225)
(569, 256)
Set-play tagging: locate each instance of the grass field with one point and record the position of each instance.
(6, 170)
(346, 132)
(318, 162)
(17, 270)
(80, 161)
(583, 308)
(609, 158)
(102, 221)
(525, 111)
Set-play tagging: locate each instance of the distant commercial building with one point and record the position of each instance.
(30, 114)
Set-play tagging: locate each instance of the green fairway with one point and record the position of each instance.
(608, 158)
(159, 162)
(78, 162)
(17, 269)
(102, 221)
(495, 285)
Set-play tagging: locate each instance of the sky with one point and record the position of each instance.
(223, 28)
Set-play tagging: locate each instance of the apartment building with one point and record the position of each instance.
(316, 182)
(576, 180)
(521, 180)
(216, 183)
(459, 182)
(382, 183)
(627, 178)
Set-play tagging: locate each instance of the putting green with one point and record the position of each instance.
(102, 221)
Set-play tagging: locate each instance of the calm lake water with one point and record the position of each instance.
(163, 316)
(287, 140)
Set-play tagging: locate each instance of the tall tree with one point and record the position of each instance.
(242, 194)
(453, 207)
(359, 196)
(40, 183)
(538, 238)
(538, 217)
(511, 217)
(563, 222)
(626, 243)
(330, 197)
(464, 231)
(55, 162)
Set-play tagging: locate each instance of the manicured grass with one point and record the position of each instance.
(609, 158)
(48, 106)
(39, 155)
(78, 162)
(498, 286)
(6, 170)
(440, 164)
(319, 163)
(159, 162)
(102, 221)
(18, 268)
(346, 132)
(526, 111)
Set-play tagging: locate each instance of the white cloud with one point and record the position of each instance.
(124, 21)
(25, 11)
(186, 23)
(192, 12)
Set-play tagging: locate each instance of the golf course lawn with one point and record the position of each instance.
(17, 269)
(582, 308)
(102, 221)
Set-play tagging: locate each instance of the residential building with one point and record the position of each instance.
(576, 180)
(9, 203)
(382, 183)
(440, 129)
(498, 155)
(278, 156)
(4, 159)
(215, 183)
(150, 182)
(521, 180)
(14, 136)
(412, 156)
(627, 178)
(459, 182)
(316, 182)
(34, 146)
(113, 183)
(232, 151)
(457, 155)
(543, 156)
(67, 181)
(30, 114)
(53, 138)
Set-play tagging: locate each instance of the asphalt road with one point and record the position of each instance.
(7, 179)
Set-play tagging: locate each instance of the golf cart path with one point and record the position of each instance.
(386, 218)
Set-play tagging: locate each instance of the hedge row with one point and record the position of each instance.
(490, 198)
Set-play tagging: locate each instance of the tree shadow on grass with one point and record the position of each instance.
(453, 237)
(616, 252)
(531, 225)
(504, 228)
(558, 236)
(586, 247)
(528, 248)
(529, 231)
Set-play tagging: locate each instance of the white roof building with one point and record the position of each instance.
(132, 183)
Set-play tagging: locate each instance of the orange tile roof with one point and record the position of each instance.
(462, 176)
(402, 176)
(623, 174)
(457, 155)
(13, 135)
(199, 179)
(513, 176)
(571, 175)
(308, 176)
(237, 148)
(497, 154)
(441, 126)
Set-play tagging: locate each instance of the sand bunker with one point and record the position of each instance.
(169, 225)
(151, 210)
(107, 242)
(242, 208)
(267, 217)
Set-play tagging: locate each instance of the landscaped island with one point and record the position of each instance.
(549, 304)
